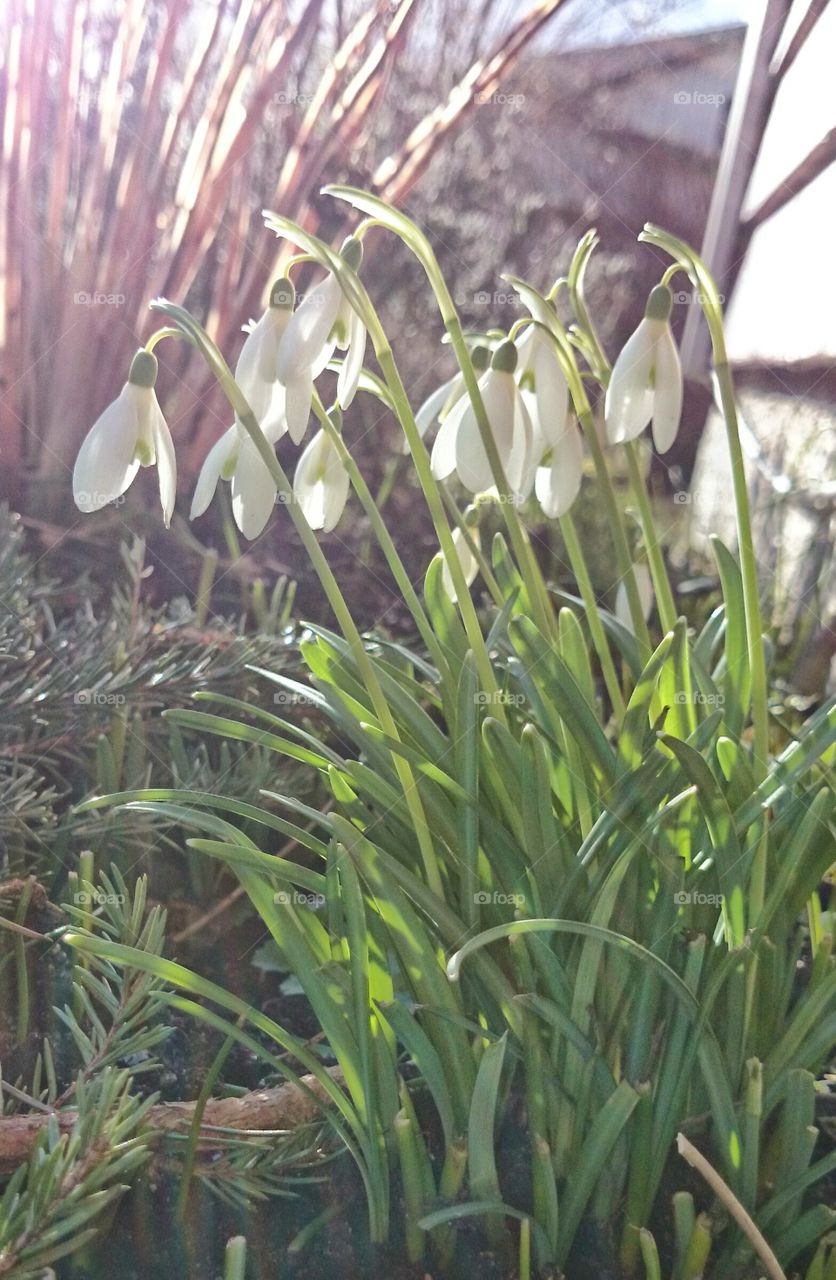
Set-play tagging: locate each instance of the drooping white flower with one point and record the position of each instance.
(544, 388)
(467, 560)
(558, 482)
(442, 401)
(458, 446)
(131, 433)
(321, 483)
(646, 381)
(257, 369)
(234, 456)
(324, 321)
(644, 584)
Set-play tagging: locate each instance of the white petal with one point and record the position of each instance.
(629, 400)
(298, 396)
(106, 462)
(353, 362)
(431, 408)
(166, 460)
(274, 420)
(552, 393)
(337, 487)
(667, 397)
(557, 484)
(321, 483)
(443, 457)
(253, 491)
(247, 370)
(210, 473)
(499, 395)
(467, 560)
(644, 584)
(527, 351)
(522, 461)
(308, 330)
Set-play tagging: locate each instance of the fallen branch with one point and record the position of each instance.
(287, 1106)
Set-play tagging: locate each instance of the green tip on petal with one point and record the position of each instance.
(352, 252)
(283, 294)
(480, 358)
(471, 517)
(659, 303)
(505, 358)
(143, 371)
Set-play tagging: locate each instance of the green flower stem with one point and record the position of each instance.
(658, 569)
(323, 570)
(624, 559)
(388, 547)
(362, 304)
(547, 318)
(428, 483)
(520, 541)
(415, 240)
(596, 630)
(481, 559)
(160, 334)
(709, 298)
(600, 366)
(575, 281)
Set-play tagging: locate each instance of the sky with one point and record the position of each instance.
(607, 21)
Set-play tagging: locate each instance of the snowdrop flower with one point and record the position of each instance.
(324, 320)
(131, 433)
(458, 446)
(545, 393)
(443, 400)
(235, 457)
(467, 560)
(257, 369)
(543, 386)
(321, 483)
(646, 381)
(644, 583)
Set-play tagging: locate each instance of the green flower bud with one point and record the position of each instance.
(480, 358)
(505, 358)
(659, 303)
(143, 371)
(283, 294)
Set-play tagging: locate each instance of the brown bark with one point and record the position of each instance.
(286, 1106)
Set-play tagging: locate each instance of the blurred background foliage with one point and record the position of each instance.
(140, 143)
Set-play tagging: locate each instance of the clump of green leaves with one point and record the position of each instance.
(567, 876)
